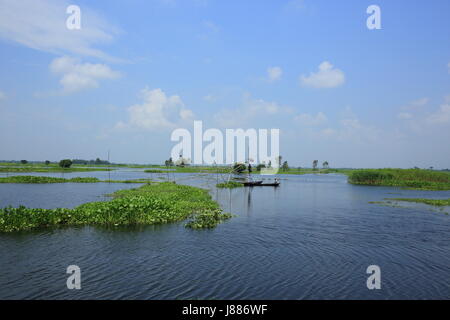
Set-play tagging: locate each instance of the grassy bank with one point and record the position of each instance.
(296, 171)
(150, 204)
(405, 178)
(44, 180)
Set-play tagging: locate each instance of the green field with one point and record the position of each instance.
(155, 203)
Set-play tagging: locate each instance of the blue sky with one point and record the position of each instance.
(139, 69)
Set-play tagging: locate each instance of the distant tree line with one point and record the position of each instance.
(181, 162)
(97, 161)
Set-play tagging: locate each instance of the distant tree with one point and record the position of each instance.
(47, 162)
(285, 166)
(325, 165)
(431, 168)
(260, 166)
(249, 168)
(182, 162)
(239, 168)
(269, 165)
(169, 163)
(279, 159)
(315, 164)
(66, 163)
(23, 161)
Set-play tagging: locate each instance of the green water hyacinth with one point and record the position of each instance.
(431, 202)
(229, 185)
(43, 180)
(51, 169)
(156, 203)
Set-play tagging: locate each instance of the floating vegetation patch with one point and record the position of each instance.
(43, 180)
(229, 185)
(50, 169)
(401, 203)
(406, 178)
(155, 203)
(431, 202)
(208, 219)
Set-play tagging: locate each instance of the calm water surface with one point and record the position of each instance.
(312, 238)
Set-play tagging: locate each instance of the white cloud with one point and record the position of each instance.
(422, 121)
(78, 76)
(326, 77)
(405, 116)
(311, 120)
(417, 103)
(41, 25)
(251, 108)
(157, 112)
(411, 109)
(448, 66)
(274, 73)
(350, 129)
(328, 132)
(347, 129)
(442, 116)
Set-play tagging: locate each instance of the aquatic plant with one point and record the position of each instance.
(49, 169)
(431, 202)
(155, 203)
(406, 178)
(208, 219)
(229, 185)
(43, 180)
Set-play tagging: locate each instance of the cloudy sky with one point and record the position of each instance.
(138, 69)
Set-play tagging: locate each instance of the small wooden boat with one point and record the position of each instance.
(260, 184)
(252, 183)
(275, 184)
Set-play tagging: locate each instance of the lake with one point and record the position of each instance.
(311, 238)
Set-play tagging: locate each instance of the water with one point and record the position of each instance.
(312, 238)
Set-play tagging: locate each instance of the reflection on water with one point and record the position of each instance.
(311, 238)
